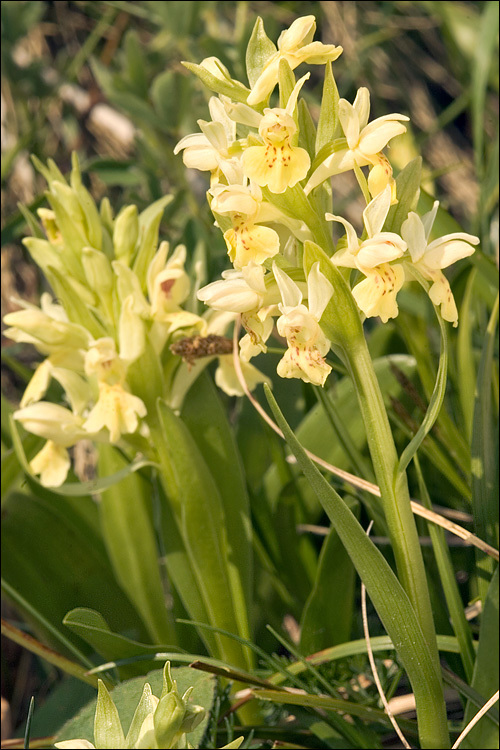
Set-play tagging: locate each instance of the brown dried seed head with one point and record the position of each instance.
(196, 347)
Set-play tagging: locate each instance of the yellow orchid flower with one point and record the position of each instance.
(52, 464)
(376, 294)
(246, 240)
(307, 344)
(295, 45)
(364, 144)
(117, 410)
(431, 258)
(277, 164)
(215, 149)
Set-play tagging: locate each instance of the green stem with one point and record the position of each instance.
(400, 521)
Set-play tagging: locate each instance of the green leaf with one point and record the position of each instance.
(65, 549)
(108, 732)
(149, 226)
(446, 643)
(484, 457)
(485, 679)
(465, 356)
(307, 129)
(327, 616)
(437, 397)
(134, 61)
(127, 526)
(260, 49)
(326, 703)
(340, 321)
(449, 583)
(234, 89)
(169, 88)
(329, 112)
(199, 514)
(127, 695)
(286, 82)
(91, 626)
(385, 591)
(481, 67)
(407, 192)
(204, 414)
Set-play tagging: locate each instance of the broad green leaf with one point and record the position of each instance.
(385, 591)
(199, 514)
(327, 616)
(316, 433)
(293, 548)
(260, 49)
(407, 191)
(127, 526)
(126, 696)
(485, 679)
(329, 112)
(206, 419)
(64, 549)
(135, 64)
(169, 88)
(91, 626)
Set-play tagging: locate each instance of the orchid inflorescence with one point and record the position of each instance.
(266, 183)
(122, 303)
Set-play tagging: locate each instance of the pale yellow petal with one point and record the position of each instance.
(376, 295)
(52, 464)
(378, 133)
(276, 167)
(441, 294)
(307, 364)
(251, 242)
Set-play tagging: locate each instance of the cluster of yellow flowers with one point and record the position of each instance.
(121, 305)
(259, 173)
